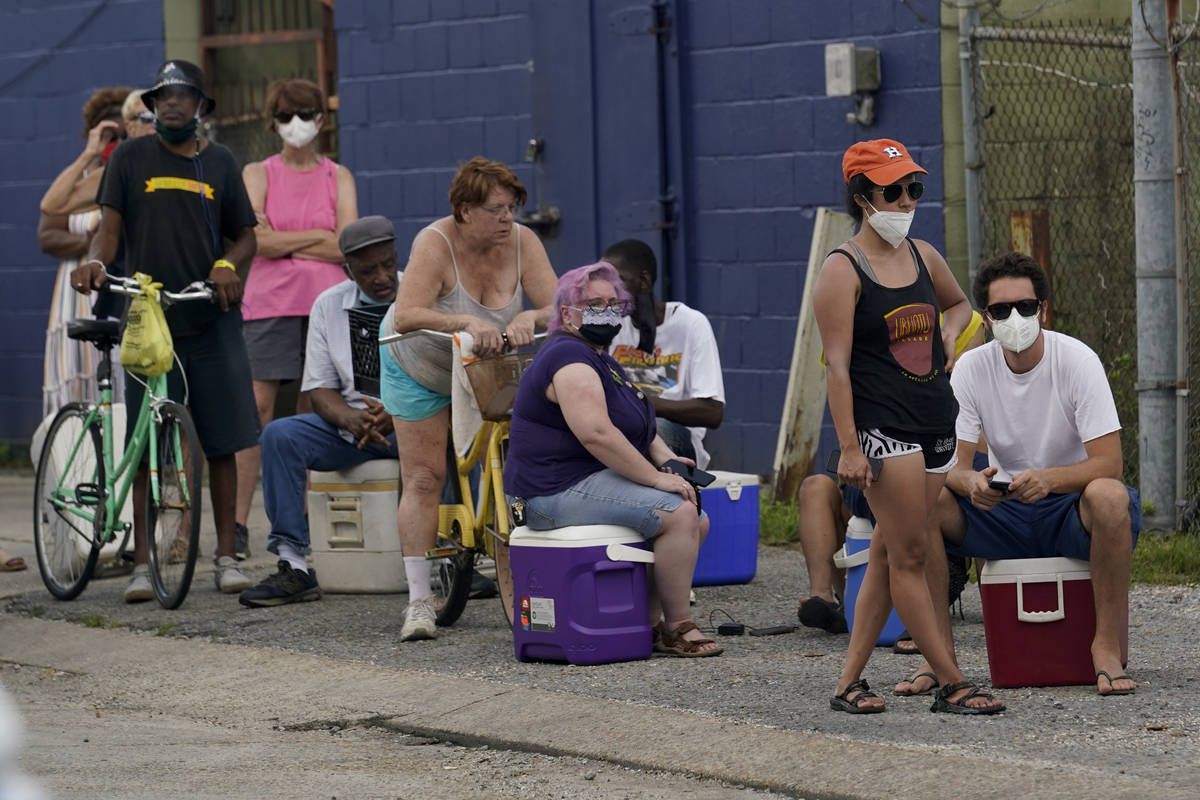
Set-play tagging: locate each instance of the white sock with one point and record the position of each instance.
(288, 554)
(418, 569)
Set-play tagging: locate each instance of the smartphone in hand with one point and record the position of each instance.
(999, 486)
(836, 455)
(691, 474)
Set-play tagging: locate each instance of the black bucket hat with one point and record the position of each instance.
(180, 73)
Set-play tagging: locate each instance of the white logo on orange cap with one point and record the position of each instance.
(892, 152)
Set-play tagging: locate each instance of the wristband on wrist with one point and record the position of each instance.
(96, 261)
(229, 265)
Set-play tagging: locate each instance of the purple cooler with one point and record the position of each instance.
(580, 594)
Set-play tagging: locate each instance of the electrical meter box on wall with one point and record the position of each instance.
(850, 70)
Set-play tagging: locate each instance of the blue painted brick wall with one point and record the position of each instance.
(53, 55)
(766, 148)
(427, 83)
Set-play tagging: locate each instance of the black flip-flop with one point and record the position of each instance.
(840, 703)
(914, 679)
(1111, 680)
(906, 651)
(817, 612)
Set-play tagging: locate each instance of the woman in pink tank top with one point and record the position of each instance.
(302, 201)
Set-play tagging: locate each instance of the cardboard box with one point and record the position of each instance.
(1039, 618)
(730, 553)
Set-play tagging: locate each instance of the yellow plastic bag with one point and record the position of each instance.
(146, 346)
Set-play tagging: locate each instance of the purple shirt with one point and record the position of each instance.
(544, 457)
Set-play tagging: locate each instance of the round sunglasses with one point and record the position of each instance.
(892, 193)
(1026, 308)
(305, 114)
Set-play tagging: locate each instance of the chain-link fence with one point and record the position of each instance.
(1056, 137)
(1188, 60)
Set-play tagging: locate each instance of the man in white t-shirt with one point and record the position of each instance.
(1054, 485)
(669, 351)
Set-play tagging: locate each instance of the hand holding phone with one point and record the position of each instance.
(836, 455)
(999, 486)
(689, 473)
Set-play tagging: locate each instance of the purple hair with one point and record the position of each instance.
(572, 287)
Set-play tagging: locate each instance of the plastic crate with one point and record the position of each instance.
(364, 346)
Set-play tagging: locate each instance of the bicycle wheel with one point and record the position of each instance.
(452, 573)
(67, 545)
(173, 505)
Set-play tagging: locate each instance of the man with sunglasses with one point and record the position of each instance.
(175, 200)
(1054, 485)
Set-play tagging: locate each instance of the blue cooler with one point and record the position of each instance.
(853, 558)
(580, 594)
(730, 553)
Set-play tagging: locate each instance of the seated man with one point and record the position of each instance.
(825, 511)
(669, 351)
(347, 428)
(1053, 434)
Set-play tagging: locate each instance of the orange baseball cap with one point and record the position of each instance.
(883, 161)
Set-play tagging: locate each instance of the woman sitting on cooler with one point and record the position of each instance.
(583, 450)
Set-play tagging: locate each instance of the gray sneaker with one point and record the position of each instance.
(420, 621)
(139, 589)
(228, 577)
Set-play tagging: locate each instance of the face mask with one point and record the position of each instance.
(298, 133)
(365, 299)
(1016, 333)
(892, 226)
(177, 135)
(600, 327)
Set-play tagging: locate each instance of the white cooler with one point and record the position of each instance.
(352, 528)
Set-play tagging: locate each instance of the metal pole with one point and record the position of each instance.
(1154, 208)
(968, 20)
(1182, 313)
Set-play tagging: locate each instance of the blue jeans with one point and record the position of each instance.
(292, 445)
(677, 437)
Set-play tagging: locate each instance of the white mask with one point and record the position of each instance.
(298, 133)
(892, 226)
(1016, 333)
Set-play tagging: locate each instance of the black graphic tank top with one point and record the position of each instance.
(897, 364)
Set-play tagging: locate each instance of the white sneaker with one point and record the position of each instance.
(228, 577)
(139, 589)
(420, 621)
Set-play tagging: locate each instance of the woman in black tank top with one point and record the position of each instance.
(877, 301)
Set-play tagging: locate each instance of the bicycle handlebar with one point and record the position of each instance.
(397, 337)
(197, 290)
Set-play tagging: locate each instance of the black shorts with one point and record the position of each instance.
(939, 449)
(220, 396)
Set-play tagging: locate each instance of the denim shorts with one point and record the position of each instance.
(602, 498)
(402, 396)
(1047, 528)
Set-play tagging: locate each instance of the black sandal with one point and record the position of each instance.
(943, 704)
(841, 702)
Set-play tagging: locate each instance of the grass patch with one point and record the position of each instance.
(97, 621)
(1166, 560)
(778, 523)
(164, 629)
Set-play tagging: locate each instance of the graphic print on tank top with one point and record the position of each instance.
(910, 338)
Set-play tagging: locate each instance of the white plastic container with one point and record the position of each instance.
(853, 558)
(352, 528)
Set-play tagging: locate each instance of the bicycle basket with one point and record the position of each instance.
(364, 347)
(495, 380)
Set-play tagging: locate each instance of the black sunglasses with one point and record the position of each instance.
(306, 114)
(1026, 308)
(892, 193)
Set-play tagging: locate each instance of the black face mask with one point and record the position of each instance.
(177, 135)
(600, 327)
(645, 320)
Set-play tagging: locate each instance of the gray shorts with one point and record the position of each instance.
(603, 498)
(275, 346)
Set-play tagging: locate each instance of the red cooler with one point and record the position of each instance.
(1039, 618)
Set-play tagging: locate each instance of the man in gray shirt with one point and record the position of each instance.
(347, 428)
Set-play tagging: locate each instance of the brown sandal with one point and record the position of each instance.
(673, 643)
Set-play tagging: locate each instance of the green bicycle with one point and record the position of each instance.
(79, 491)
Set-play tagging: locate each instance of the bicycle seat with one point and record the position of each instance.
(103, 332)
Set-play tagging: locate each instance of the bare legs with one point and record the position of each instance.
(903, 502)
(823, 519)
(1104, 510)
(422, 449)
(675, 550)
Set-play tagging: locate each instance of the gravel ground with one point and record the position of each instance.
(782, 681)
